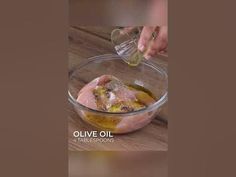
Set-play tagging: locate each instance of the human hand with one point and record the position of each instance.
(157, 44)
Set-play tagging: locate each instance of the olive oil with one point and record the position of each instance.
(104, 122)
(134, 59)
(144, 98)
(105, 97)
(143, 89)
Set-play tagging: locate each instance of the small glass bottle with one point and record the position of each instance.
(126, 44)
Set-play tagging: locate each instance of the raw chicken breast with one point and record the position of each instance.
(108, 94)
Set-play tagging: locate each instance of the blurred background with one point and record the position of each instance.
(118, 164)
(122, 12)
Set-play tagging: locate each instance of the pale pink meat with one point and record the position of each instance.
(128, 123)
(134, 122)
(122, 92)
(86, 96)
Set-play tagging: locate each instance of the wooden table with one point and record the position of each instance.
(85, 42)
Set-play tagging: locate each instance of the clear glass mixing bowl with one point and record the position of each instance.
(146, 74)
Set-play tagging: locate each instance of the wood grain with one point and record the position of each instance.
(85, 42)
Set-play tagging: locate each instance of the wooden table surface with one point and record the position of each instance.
(85, 42)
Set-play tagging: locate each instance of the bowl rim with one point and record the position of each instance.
(155, 105)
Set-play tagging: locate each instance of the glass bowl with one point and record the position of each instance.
(146, 74)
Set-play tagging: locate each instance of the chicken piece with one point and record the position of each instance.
(107, 93)
(85, 95)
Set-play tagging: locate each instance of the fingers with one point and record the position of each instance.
(149, 46)
(145, 37)
(157, 45)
